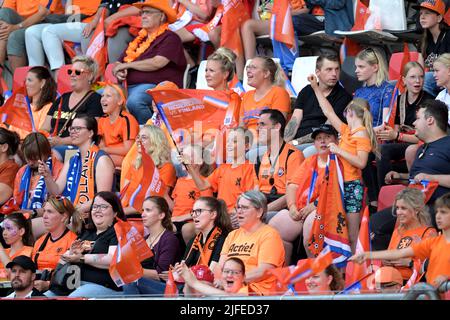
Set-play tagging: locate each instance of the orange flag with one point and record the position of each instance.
(355, 272)
(97, 48)
(427, 187)
(399, 87)
(362, 14)
(131, 249)
(151, 184)
(17, 111)
(233, 16)
(171, 289)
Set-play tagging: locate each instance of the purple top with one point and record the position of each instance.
(167, 45)
(166, 252)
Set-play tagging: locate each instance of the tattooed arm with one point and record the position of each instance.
(293, 125)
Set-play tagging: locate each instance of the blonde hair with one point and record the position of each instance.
(119, 92)
(415, 199)
(64, 205)
(158, 149)
(444, 59)
(276, 72)
(90, 64)
(361, 109)
(411, 65)
(227, 59)
(372, 56)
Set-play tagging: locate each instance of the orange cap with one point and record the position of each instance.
(387, 275)
(161, 5)
(437, 6)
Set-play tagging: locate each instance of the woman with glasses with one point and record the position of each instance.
(257, 244)
(93, 250)
(232, 279)
(82, 99)
(9, 143)
(327, 282)
(212, 225)
(41, 90)
(89, 171)
(49, 248)
(164, 245)
(402, 135)
(155, 55)
(413, 225)
(156, 145)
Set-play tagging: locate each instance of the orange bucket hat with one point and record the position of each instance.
(162, 5)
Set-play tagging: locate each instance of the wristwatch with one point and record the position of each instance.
(295, 142)
(20, 25)
(82, 259)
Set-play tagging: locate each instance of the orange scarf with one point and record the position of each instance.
(86, 186)
(206, 250)
(138, 46)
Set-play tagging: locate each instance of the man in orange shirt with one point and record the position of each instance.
(279, 162)
(15, 17)
(436, 249)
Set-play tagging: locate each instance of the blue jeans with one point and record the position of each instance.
(93, 290)
(144, 286)
(429, 84)
(139, 102)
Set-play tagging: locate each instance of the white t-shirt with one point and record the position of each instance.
(13, 295)
(444, 96)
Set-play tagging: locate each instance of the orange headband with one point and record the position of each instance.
(115, 87)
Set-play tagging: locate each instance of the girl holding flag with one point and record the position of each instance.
(357, 141)
(81, 177)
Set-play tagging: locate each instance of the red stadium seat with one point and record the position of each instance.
(109, 77)
(387, 195)
(20, 75)
(64, 79)
(396, 61)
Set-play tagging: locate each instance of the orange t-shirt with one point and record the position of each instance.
(124, 128)
(8, 171)
(405, 238)
(24, 251)
(27, 8)
(262, 246)
(437, 250)
(57, 167)
(38, 118)
(286, 165)
(277, 98)
(352, 145)
(87, 7)
(230, 182)
(185, 194)
(50, 255)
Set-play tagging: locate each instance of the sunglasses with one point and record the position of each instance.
(422, 153)
(77, 72)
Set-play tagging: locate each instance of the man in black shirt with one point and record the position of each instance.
(307, 113)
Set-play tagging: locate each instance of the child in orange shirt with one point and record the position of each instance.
(229, 180)
(356, 142)
(117, 128)
(17, 234)
(436, 249)
(186, 193)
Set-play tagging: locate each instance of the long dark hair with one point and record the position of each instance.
(91, 124)
(222, 218)
(115, 203)
(11, 138)
(163, 207)
(22, 223)
(48, 91)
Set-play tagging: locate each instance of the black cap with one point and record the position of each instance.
(325, 128)
(23, 261)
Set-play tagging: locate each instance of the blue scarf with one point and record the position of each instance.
(73, 177)
(39, 192)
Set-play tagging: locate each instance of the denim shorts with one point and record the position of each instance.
(353, 196)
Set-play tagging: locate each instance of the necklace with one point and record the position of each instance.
(153, 242)
(142, 42)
